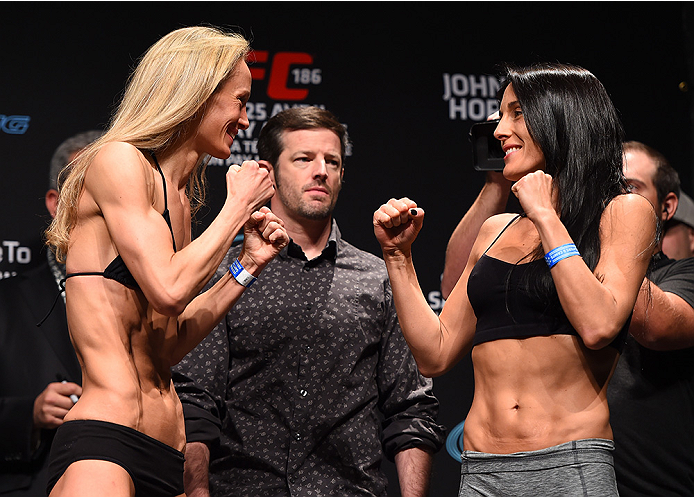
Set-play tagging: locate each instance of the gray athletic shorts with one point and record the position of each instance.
(582, 468)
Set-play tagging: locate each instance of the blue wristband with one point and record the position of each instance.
(240, 274)
(560, 253)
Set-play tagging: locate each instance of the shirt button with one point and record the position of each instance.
(297, 437)
(303, 392)
(307, 348)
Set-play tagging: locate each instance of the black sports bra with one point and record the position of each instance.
(506, 308)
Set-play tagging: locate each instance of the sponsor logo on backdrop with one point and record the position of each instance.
(12, 252)
(289, 76)
(14, 125)
(470, 97)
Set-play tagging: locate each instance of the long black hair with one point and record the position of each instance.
(570, 116)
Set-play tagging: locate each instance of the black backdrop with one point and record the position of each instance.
(407, 78)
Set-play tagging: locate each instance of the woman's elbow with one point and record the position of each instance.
(597, 338)
(168, 302)
(170, 309)
(428, 372)
(432, 369)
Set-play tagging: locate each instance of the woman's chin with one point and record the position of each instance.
(511, 175)
(221, 154)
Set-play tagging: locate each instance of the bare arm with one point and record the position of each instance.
(597, 305)
(196, 470)
(264, 237)
(662, 320)
(120, 182)
(414, 472)
(490, 201)
(436, 343)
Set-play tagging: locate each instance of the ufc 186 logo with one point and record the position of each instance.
(287, 73)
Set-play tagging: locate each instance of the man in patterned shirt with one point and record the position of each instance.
(308, 383)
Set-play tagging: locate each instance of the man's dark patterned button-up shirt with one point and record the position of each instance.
(308, 382)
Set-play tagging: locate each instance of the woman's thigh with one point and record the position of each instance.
(88, 478)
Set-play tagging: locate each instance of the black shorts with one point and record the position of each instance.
(155, 468)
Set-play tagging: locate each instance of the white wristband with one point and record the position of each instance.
(240, 274)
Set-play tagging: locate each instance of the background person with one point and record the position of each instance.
(133, 273)
(38, 366)
(307, 383)
(678, 232)
(651, 395)
(544, 332)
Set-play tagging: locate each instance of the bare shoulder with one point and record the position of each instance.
(490, 229)
(120, 169)
(630, 204)
(120, 162)
(493, 225)
(629, 219)
(119, 156)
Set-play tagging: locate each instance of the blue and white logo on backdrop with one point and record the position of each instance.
(14, 125)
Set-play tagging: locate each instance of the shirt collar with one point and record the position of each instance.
(658, 260)
(329, 252)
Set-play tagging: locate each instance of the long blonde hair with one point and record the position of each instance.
(173, 80)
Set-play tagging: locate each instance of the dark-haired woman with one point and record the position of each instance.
(545, 298)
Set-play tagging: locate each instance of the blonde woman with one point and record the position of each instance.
(134, 275)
